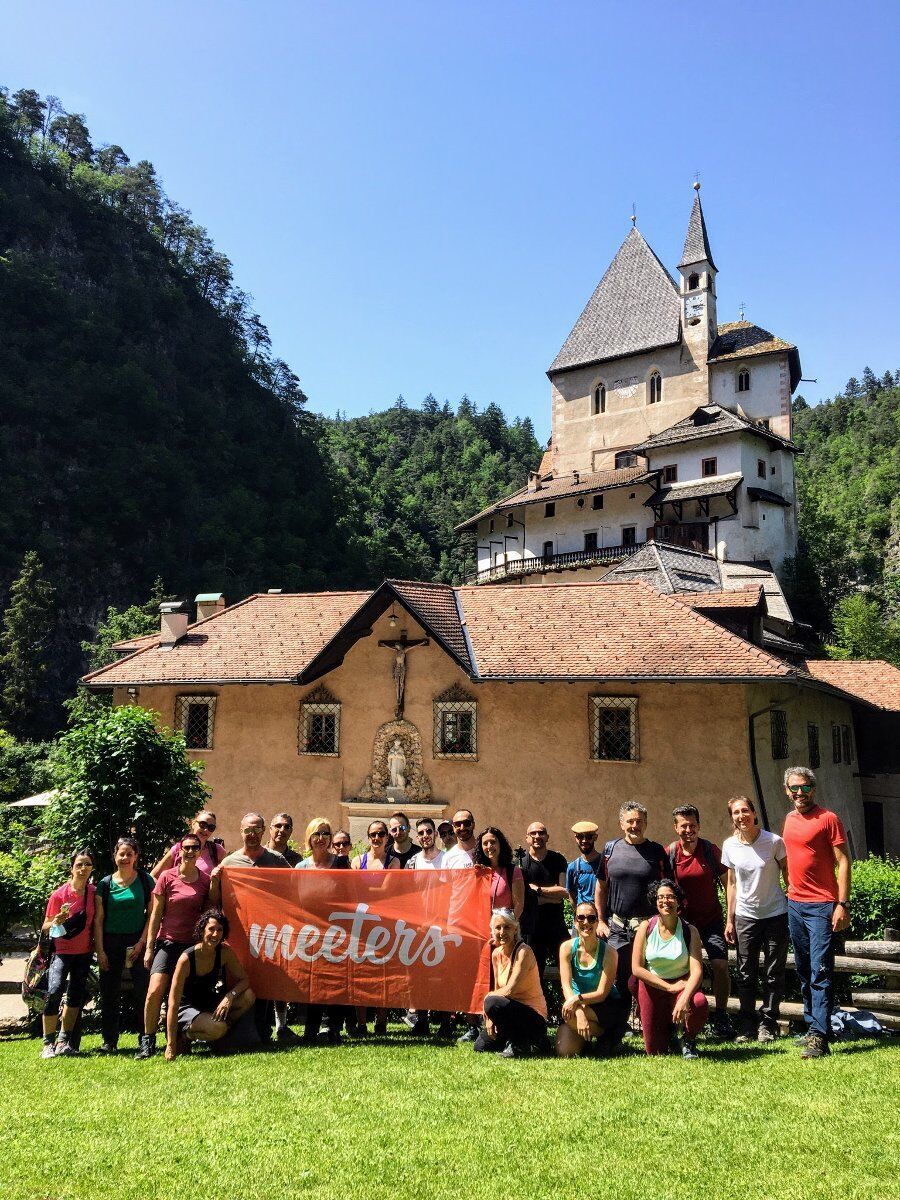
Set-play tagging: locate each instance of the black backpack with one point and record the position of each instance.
(706, 854)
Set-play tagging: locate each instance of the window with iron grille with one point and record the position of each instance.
(455, 724)
(614, 728)
(319, 728)
(812, 742)
(779, 730)
(846, 744)
(836, 744)
(195, 717)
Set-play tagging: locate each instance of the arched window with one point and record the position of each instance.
(599, 399)
(693, 281)
(655, 387)
(625, 458)
(743, 380)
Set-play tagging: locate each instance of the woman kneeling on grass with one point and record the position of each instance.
(515, 1011)
(667, 973)
(196, 1014)
(593, 1012)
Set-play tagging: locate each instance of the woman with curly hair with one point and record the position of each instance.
(196, 1012)
(667, 972)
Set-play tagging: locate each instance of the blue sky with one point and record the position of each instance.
(421, 197)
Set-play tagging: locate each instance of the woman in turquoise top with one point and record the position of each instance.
(667, 973)
(122, 913)
(593, 1012)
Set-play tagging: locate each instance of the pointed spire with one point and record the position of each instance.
(696, 244)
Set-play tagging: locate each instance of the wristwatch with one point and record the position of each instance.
(843, 904)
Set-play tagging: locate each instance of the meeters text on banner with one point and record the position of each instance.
(389, 939)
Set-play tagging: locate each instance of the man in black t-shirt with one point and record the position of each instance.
(545, 874)
(632, 864)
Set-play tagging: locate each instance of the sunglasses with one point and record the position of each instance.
(341, 845)
(378, 833)
(399, 829)
(321, 833)
(209, 826)
(190, 848)
(585, 919)
(805, 788)
(463, 824)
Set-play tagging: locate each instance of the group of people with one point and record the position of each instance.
(643, 915)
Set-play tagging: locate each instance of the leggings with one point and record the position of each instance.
(71, 970)
(655, 1007)
(514, 1021)
(116, 945)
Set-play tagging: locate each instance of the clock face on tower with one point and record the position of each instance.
(693, 309)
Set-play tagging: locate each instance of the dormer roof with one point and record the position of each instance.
(635, 307)
(696, 243)
(710, 420)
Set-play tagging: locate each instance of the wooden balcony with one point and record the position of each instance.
(602, 556)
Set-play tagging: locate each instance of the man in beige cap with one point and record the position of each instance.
(584, 871)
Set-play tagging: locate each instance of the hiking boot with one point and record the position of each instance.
(765, 1035)
(64, 1049)
(722, 1027)
(107, 1048)
(411, 1019)
(816, 1047)
(689, 1048)
(146, 1046)
(470, 1035)
(511, 1050)
(801, 1039)
(48, 1050)
(744, 1034)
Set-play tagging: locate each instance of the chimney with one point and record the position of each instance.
(576, 477)
(209, 603)
(173, 623)
(534, 481)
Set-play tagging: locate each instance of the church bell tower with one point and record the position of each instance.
(698, 285)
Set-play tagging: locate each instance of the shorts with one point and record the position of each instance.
(167, 955)
(69, 972)
(187, 1015)
(713, 938)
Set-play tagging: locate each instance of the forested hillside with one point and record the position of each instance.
(848, 476)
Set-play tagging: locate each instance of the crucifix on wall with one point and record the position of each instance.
(401, 646)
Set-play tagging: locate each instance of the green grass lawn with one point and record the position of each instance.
(403, 1119)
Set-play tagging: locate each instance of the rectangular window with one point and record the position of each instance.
(590, 540)
(761, 468)
(779, 731)
(597, 502)
(628, 535)
(550, 510)
(708, 467)
(455, 725)
(613, 728)
(491, 529)
(670, 474)
(836, 743)
(812, 742)
(320, 724)
(846, 744)
(548, 551)
(195, 717)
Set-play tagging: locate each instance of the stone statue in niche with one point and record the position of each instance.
(396, 761)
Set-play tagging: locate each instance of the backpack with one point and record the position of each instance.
(147, 883)
(707, 856)
(37, 965)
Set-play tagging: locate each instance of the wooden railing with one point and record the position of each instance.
(552, 562)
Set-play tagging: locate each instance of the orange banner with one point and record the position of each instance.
(390, 939)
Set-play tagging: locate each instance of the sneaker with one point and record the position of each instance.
(744, 1035)
(800, 1039)
(765, 1035)
(64, 1050)
(470, 1035)
(107, 1048)
(722, 1026)
(689, 1048)
(410, 1020)
(513, 1051)
(816, 1047)
(48, 1050)
(285, 1036)
(146, 1046)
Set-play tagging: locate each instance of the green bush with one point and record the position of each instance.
(875, 897)
(27, 878)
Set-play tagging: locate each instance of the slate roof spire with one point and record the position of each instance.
(696, 244)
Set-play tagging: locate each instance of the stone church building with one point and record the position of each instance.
(650, 656)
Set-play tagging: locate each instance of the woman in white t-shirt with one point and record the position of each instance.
(757, 917)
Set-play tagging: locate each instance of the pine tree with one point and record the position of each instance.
(27, 628)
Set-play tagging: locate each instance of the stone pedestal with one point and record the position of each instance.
(395, 795)
(356, 813)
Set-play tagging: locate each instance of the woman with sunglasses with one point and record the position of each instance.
(757, 917)
(69, 920)
(340, 844)
(667, 971)
(321, 857)
(179, 897)
(121, 922)
(378, 857)
(211, 853)
(593, 1012)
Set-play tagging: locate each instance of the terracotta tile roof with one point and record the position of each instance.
(872, 680)
(603, 631)
(435, 606)
(265, 638)
(563, 486)
(742, 339)
(635, 307)
(129, 645)
(747, 597)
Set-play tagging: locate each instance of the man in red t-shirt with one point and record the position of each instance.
(818, 900)
(697, 869)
